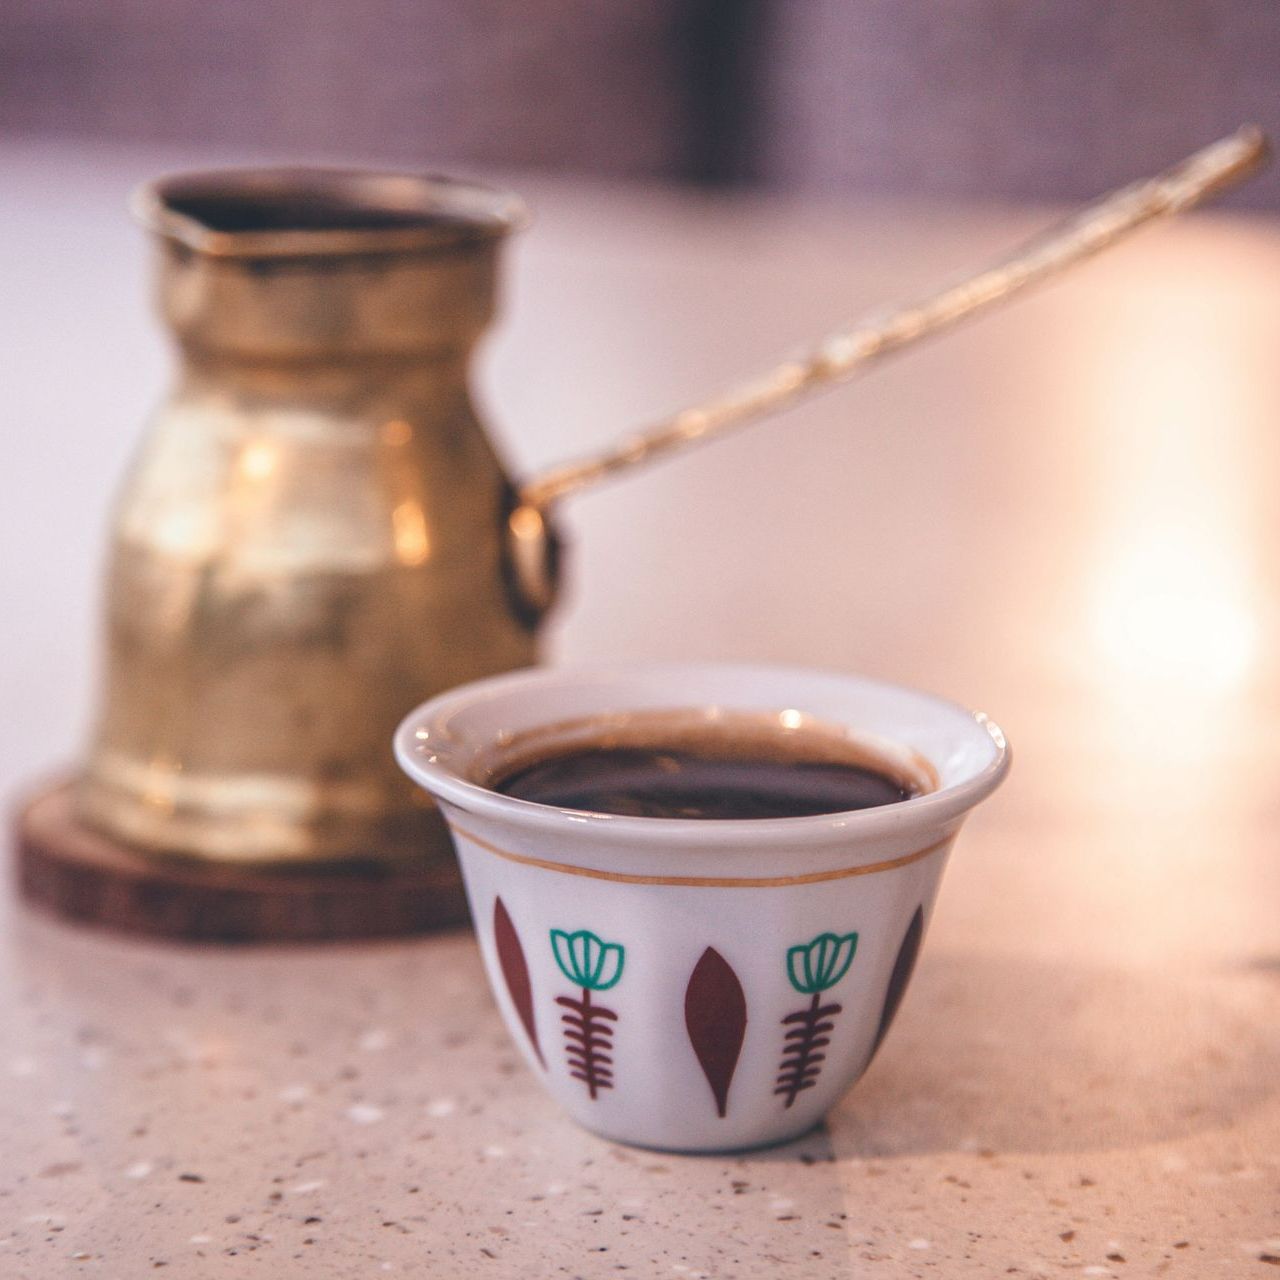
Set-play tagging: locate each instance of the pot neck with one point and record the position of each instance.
(307, 265)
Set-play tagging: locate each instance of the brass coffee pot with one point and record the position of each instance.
(311, 537)
(317, 534)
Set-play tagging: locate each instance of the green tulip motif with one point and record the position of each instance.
(587, 960)
(820, 964)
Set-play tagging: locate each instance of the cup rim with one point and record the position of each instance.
(445, 782)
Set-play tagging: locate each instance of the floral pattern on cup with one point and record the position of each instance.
(591, 964)
(812, 968)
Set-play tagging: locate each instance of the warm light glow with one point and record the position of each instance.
(258, 460)
(1171, 610)
(791, 719)
(396, 432)
(409, 529)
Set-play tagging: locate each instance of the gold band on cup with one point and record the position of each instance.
(704, 882)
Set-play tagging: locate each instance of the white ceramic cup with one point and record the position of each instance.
(688, 984)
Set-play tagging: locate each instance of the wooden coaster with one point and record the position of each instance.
(83, 876)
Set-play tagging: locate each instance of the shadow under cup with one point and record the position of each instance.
(688, 984)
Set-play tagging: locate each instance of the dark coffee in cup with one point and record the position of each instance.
(690, 764)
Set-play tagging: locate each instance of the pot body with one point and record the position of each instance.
(311, 536)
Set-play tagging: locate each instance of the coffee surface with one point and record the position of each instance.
(713, 774)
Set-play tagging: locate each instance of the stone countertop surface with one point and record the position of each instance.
(1066, 515)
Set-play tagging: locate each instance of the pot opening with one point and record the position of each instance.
(285, 212)
(300, 211)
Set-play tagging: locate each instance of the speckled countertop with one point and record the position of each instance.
(359, 1111)
(1080, 536)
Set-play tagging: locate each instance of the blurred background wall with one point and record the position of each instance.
(1030, 98)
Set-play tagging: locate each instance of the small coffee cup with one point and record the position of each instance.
(698, 984)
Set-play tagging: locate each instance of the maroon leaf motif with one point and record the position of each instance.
(903, 967)
(715, 1015)
(515, 972)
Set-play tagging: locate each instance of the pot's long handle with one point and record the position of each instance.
(846, 352)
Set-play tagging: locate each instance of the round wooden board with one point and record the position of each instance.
(80, 875)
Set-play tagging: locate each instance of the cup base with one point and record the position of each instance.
(727, 1149)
